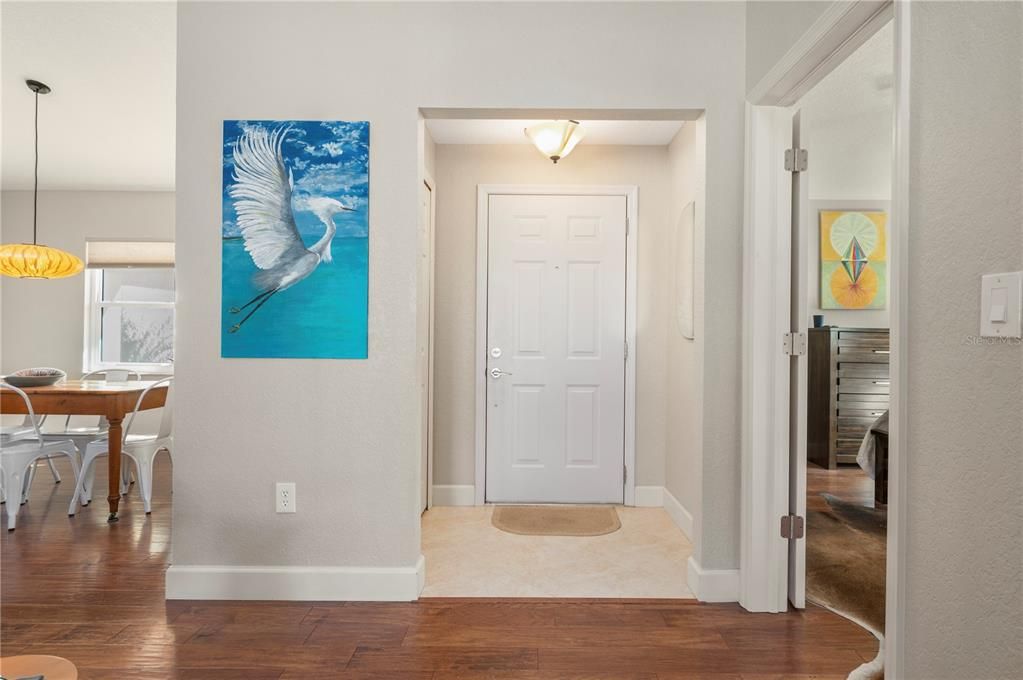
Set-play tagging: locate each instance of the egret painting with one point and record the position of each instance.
(295, 239)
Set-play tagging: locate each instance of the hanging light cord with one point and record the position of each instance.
(35, 177)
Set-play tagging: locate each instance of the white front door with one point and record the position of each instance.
(556, 349)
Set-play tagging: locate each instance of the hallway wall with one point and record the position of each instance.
(684, 369)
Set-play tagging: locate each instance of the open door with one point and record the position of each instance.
(799, 316)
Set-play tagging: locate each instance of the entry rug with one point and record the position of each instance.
(556, 520)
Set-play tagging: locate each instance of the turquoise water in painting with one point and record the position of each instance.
(322, 317)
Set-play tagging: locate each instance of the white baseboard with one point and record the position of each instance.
(649, 496)
(682, 518)
(454, 494)
(713, 585)
(360, 584)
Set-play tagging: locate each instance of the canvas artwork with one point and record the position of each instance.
(854, 264)
(295, 239)
(684, 269)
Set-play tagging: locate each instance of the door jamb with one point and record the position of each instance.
(430, 185)
(841, 29)
(483, 194)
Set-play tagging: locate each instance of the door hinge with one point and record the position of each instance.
(796, 160)
(793, 344)
(627, 226)
(626, 350)
(625, 474)
(791, 526)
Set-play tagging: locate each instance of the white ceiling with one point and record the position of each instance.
(624, 132)
(109, 122)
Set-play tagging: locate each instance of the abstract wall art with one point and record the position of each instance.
(295, 239)
(854, 262)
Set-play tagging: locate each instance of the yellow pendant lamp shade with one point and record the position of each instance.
(31, 260)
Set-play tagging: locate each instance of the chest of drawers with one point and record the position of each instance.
(848, 387)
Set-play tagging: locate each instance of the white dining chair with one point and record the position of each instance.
(82, 435)
(18, 457)
(141, 449)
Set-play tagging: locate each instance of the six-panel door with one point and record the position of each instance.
(556, 349)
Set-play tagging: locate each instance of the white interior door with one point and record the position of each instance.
(556, 308)
(799, 318)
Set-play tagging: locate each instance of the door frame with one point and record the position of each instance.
(483, 194)
(430, 346)
(765, 463)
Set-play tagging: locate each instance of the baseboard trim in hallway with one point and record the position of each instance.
(363, 584)
(713, 585)
(454, 494)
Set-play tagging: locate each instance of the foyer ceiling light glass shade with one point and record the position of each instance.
(557, 138)
(30, 261)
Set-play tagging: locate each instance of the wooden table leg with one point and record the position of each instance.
(114, 466)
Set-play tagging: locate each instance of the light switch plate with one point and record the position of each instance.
(1001, 305)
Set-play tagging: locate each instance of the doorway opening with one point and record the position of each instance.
(832, 217)
(555, 303)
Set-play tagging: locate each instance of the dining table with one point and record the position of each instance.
(112, 400)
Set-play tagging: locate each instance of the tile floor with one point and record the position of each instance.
(467, 557)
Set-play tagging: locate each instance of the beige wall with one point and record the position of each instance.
(460, 168)
(347, 432)
(684, 364)
(43, 321)
(964, 510)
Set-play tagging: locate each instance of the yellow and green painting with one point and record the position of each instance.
(854, 264)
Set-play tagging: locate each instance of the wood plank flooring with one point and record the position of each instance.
(114, 623)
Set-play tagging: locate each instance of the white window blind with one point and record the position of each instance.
(120, 254)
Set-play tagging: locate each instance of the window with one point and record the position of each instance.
(129, 318)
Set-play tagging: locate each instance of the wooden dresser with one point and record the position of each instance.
(847, 391)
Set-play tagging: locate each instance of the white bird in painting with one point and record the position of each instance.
(262, 193)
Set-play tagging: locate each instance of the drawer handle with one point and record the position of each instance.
(882, 382)
(881, 351)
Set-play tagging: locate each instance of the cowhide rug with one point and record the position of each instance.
(845, 569)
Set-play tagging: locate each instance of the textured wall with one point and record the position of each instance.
(964, 511)
(460, 168)
(348, 431)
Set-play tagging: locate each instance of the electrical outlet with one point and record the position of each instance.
(286, 497)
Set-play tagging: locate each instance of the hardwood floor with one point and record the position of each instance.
(114, 623)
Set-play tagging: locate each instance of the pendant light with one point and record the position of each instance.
(555, 139)
(31, 260)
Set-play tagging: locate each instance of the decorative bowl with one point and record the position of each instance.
(35, 377)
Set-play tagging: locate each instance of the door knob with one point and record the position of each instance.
(496, 373)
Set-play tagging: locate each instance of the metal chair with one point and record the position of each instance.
(141, 449)
(18, 457)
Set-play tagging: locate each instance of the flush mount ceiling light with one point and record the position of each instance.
(555, 139)
(31, 260)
